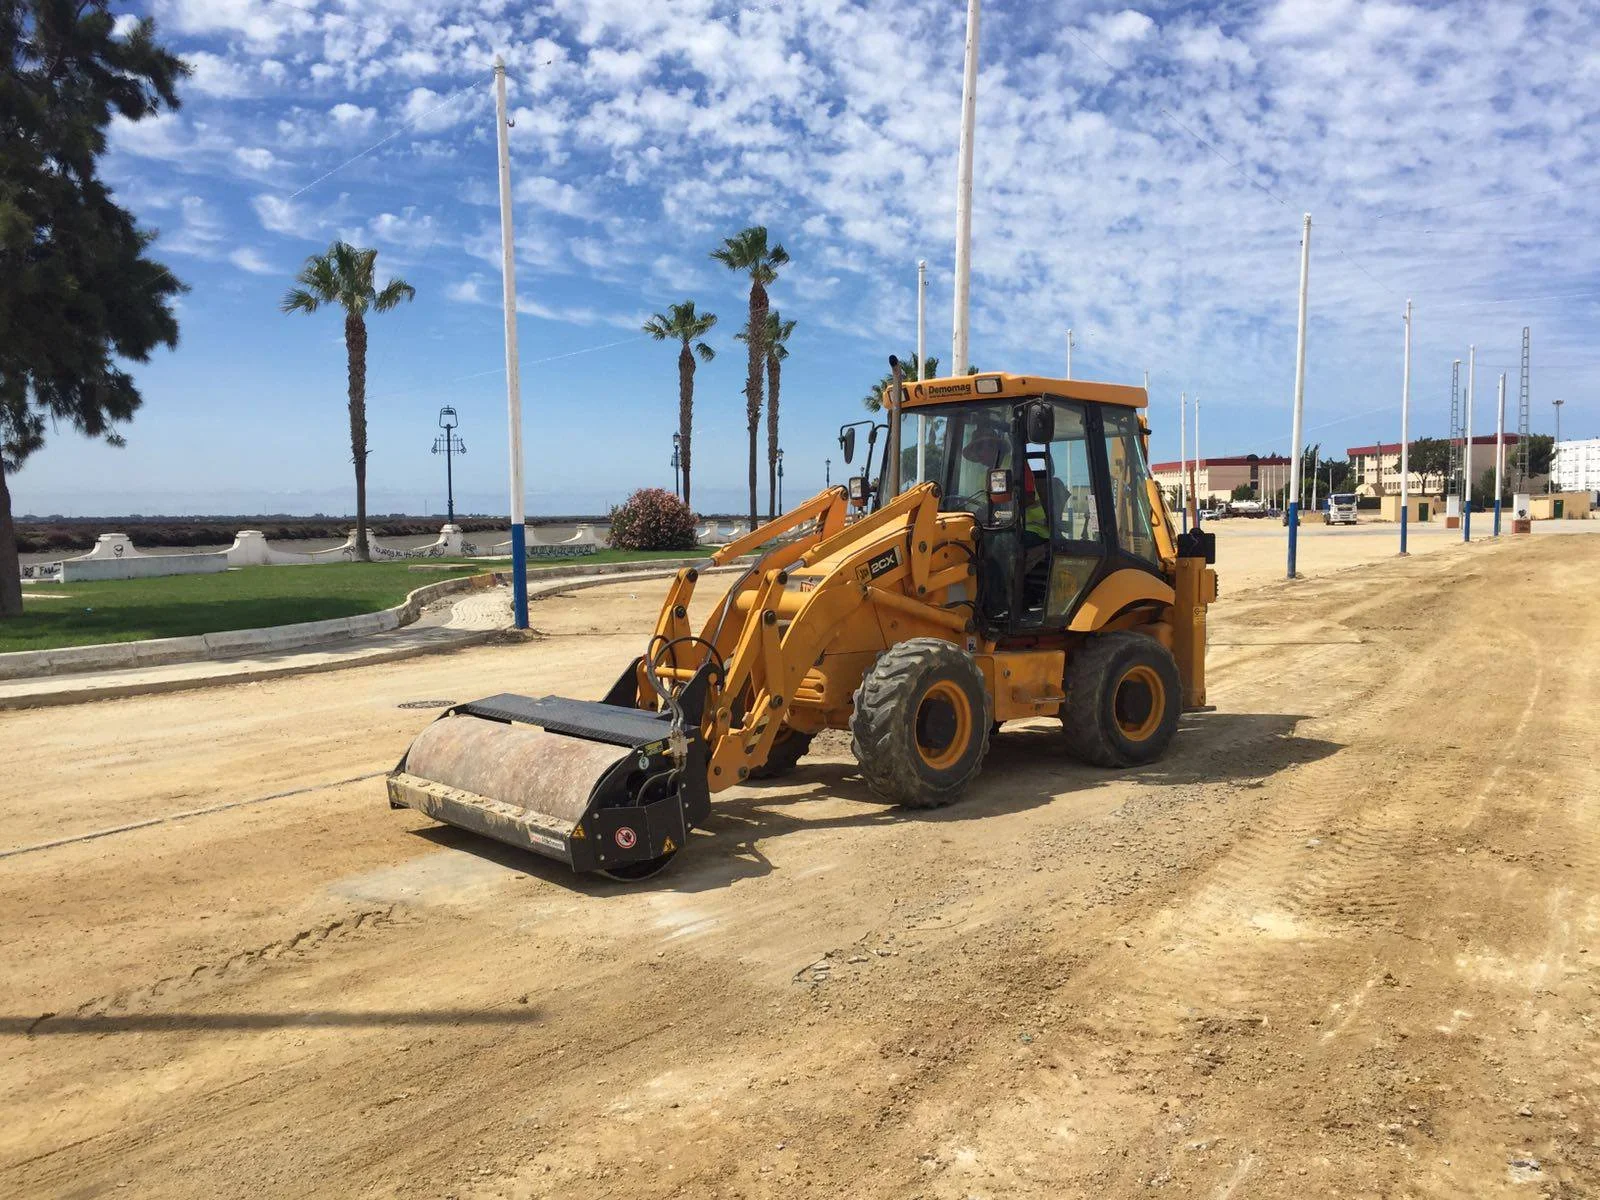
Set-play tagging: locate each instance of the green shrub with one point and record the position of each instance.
(652, 519)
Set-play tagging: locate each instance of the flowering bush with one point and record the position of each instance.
(652, 519)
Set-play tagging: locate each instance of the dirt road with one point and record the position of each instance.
(1344, 941)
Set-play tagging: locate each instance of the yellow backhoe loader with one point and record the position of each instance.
(1011, 559)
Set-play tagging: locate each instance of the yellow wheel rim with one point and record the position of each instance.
(1139, 703)
(943, 726)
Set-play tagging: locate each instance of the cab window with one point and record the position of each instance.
(1130, 498)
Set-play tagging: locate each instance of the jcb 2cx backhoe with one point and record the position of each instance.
(1012, 560)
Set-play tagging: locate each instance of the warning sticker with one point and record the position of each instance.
(626, 838)
(668, 846)
(578, 834)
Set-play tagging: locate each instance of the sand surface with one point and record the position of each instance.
(1344, 940)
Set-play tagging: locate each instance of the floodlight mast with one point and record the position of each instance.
(508, 278)
(1405, 434)
(1293, 506)
(969, 106)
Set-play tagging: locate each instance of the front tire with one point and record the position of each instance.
(1123, 701)
(921, 723)
(788, 748)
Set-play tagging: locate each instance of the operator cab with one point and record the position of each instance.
(1055, 478)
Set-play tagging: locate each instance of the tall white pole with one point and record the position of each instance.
(1069, 352)
(1405, 435)
(508, 278)
(1499, 449)
(969, 109)
(1466, 451)
(1183, 457)
(922, 359)
(1194, 462)
(1299, 395)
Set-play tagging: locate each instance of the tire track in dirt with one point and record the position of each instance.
(206, 976)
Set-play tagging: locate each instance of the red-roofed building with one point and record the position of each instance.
(1377, 467)
(1215, 478)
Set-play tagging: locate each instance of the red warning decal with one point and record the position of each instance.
(626, 838)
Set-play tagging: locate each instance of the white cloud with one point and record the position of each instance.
(278, 215)
(408, 228)
(1125, 26)
(256, 158)
(553, 196)
(217, 76)
(248, 259)
(164, 135)
(428, 111)
(467, 291)
(352, 116)
(645, 132)
(200, 233)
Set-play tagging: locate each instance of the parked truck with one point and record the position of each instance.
(1341, 509)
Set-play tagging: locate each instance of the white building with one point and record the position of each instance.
(1577, 466)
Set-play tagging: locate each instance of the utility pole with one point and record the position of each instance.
(922, 362)
(1405, 437)
(969, 109)
(508, 299)
(1499, 448)
(1299, 395)
(1069, 351)
(1194, 463)
(1524, 419)
(1550, 477)
(1466, 449)
(1455, 429)
(449, 445)
(1183, 457)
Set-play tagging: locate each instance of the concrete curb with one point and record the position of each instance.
(151, 687)
(541, 585)
(153, 652)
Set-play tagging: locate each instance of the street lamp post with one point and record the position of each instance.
(677, 446)
(827, 472)
(449, 445)
(780, 480)
(1550, 476)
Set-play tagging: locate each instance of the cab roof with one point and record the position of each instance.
(989, 385)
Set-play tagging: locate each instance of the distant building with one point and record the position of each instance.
(1577, 466)
(1377, 468)
(1215, 478)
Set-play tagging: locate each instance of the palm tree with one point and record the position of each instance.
(687, 326)
(778, 331)
(345, 276)
(748, 251)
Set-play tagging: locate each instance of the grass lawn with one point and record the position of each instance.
(127, 610)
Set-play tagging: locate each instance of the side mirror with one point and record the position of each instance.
(1041, 423)
(858, 490)
(847, 443)
(1000, 485)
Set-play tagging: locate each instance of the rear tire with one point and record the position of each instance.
(921, 724)
(788, 748)
(1123, 701)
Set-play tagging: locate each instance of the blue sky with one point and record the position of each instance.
(1140, 176)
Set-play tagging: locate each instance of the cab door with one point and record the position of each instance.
(1063, 525)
